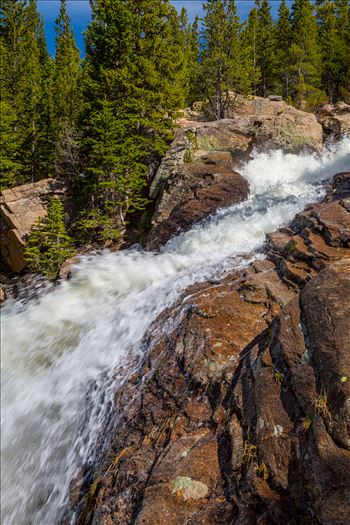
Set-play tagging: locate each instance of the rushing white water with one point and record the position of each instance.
(55, 347)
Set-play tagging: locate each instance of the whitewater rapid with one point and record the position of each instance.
(54, 348)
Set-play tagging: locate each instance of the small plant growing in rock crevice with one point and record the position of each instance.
(306, 423)
(321, 404)
(188, 156)
(262, 471)
(193, 146)
(249, 453)
(191, 137)
(93, 489)
(278, 376)
(290, 248)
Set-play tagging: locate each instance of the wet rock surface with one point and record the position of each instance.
(239, 410)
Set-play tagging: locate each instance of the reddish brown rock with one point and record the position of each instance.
(204, 186)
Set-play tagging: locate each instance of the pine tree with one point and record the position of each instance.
(32, 93)
(66, 96)
(250, 44)
(224, 64)
(12, 70)
(215, 59)
(49, 244)
(10, 162)
(178, 36)
(343, 27)
(189, 45)
(283, 42)
(67, 68)
(193, 63)
(24, 56)
(266, 47)
(331, 47)
(133, 83)
(305, 56)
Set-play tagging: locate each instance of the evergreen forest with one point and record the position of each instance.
(103, 123)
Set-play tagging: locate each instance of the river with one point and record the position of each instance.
(55, 347)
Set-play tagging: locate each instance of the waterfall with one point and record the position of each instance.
(56, 346)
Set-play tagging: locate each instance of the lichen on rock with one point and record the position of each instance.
(188, 488)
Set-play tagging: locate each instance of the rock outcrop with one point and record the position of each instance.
(240, 413)
(195, 191)
(198, 174)
(20, 207)
(335, 119)
(270, 123)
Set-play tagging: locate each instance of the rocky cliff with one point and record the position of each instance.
(239, 413)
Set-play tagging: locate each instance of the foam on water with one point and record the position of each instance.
(53, 348)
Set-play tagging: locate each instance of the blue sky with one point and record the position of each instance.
(80, 13)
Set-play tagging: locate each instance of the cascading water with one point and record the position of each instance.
(55, 347)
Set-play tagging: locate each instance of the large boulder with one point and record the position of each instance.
(20, 207)
(267, 122)
(239, 410)
(197, 189)
(335, 119)
(275, 123)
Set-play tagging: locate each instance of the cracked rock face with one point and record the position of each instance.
(240, 414)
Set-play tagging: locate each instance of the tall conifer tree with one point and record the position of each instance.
(24, 57)
(133, 82)
(12, 69)
(32, 93)
(343, 26)
(225, 67)
(283, 42)
(305, 54)
(193, 63)
(266, 47)
(66, 96)
(331, 46)
(250, 43)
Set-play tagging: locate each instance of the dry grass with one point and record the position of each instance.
(117, 459)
